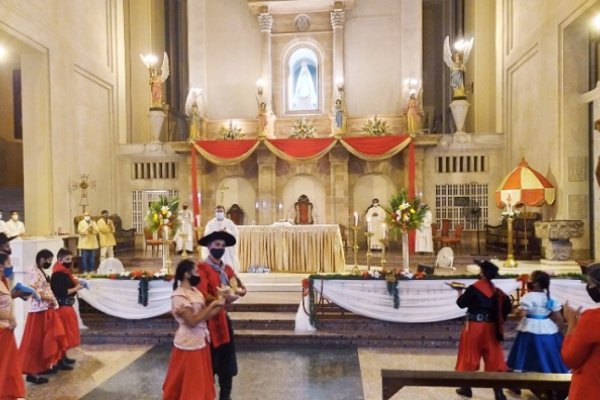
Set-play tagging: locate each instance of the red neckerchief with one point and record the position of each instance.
(484, 286)
(59, 268)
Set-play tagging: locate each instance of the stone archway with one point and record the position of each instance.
(310, 186)
(237, 190)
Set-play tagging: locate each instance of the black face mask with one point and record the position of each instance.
(217, 253)
(594, 293)
(194, 280)
(67, 264)
(7, 251)
(46, 265)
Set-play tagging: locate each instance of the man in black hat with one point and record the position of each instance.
(482, 334)
(5, 243)
(219, 280)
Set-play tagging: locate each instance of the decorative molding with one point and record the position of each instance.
(302, 23)
(338, 18)
(265, 22)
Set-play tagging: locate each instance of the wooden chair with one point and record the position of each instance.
(149, 241)
(445, 233)
(456, 240)
(304, 210)
(236, 214)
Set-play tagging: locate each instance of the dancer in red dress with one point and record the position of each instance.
(190, 373)
(44, 341)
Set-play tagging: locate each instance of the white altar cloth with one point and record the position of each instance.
(119, 297)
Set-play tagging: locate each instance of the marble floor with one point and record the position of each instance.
(106, 372)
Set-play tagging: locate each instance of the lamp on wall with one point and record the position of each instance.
(339, 83)
(260, 84)
(413, 85)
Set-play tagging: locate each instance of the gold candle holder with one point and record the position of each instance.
(355, 269)
(369, 255)
(384, 243)
(184, 253)
(199, 234)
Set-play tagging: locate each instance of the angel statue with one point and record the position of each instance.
(457, 63)
(157, 77)
(194, 106)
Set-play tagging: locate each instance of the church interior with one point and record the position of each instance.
(297, 114)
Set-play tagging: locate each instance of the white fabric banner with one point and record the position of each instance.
(572, 290)
(119, 298)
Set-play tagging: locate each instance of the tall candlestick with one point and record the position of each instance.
(355, 218)
(383, 231)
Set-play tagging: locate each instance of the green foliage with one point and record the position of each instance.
(406, 214)
(231, 133)
(303, 129)
(163, 212)
(375, 127)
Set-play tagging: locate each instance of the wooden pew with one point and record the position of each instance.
(394, 380)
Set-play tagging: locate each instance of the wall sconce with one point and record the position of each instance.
(260, 84)
(149, 60)
(339, 83)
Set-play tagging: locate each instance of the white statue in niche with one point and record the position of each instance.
(305, 93)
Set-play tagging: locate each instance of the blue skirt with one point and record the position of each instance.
(537, 353)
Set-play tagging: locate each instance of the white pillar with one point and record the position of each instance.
(265, 22)
(337, 23)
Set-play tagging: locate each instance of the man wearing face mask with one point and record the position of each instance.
(222, 223)
(88, 242)
(106, 234)
(185, 234)
(3, 227)
(581, 346)
(15, 227)
(44, 340)
(65, 286)
(218, 280)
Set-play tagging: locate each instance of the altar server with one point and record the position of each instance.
(190, 375)
(217, 279)
(221, 223)
(12, 385)
(44, 340)
(483, 332)
(65, 286)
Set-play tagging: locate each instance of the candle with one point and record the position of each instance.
(368, 224)
(383, 230)
(197, 219)
(280, 205)
(355, 218)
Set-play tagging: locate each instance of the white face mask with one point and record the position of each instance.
(15, 217)
(87, 219)
(220, 215)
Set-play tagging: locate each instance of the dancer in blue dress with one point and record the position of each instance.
(539, 340)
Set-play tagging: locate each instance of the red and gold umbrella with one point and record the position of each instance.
(524, 185)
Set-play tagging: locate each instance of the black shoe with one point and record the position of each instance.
(465, 391)
(498, 394)
(68, 360)
(52, 370)
(38, 380)
(65, 367)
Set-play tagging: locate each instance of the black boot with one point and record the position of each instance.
(225, 386)
(38, 380)
(499, 394)
(465, 391)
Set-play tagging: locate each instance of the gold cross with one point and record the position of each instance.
(223, 188)
(84, 184)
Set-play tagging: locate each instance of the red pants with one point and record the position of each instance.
(190, 375)
(477, 340)
(12, 385)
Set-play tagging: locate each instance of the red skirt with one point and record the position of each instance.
(189, 376)
(12, 385)
(44, 341)
(478, 340)
(71, 325)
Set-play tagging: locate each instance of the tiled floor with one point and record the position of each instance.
(274, 373)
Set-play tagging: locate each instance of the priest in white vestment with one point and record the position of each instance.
(374, 218)
(185, 232)
(424, 236)
(221, 223)
(15, 227)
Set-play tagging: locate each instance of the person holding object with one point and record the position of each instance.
(65, 286)
(12, 385)
(88, 242)
(44, 339)
(581, 347)
(106, 234)
(221, 223)
(218, 280)
(483, 333)
(189, 375)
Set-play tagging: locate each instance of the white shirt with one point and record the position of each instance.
(535, 303)
(15, 228)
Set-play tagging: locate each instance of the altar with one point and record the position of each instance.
(292, 248)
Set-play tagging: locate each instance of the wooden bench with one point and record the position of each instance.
(394, 380)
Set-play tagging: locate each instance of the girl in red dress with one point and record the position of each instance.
(190, 373)
(12, 385)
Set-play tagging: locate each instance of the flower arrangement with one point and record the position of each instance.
(231, 133)
(406, 214)
(509, 213)
(163, 212)
(375, 127)
(303, 129)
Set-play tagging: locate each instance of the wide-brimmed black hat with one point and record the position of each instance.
(5, 239)
(488, 268)
(217, 235)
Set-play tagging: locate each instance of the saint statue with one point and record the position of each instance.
(157, 78)
(262, 119)
(305, 93)
(339, 114)
(457, 63)
(193, 109)
(375, 217)
(414, 113)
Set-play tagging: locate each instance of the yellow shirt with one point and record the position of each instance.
(88, 232)
(106, 233)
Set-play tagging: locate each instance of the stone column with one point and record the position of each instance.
(337, 23)
(265, 22)
(419, 169)
(338, 211)
(266, 207)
